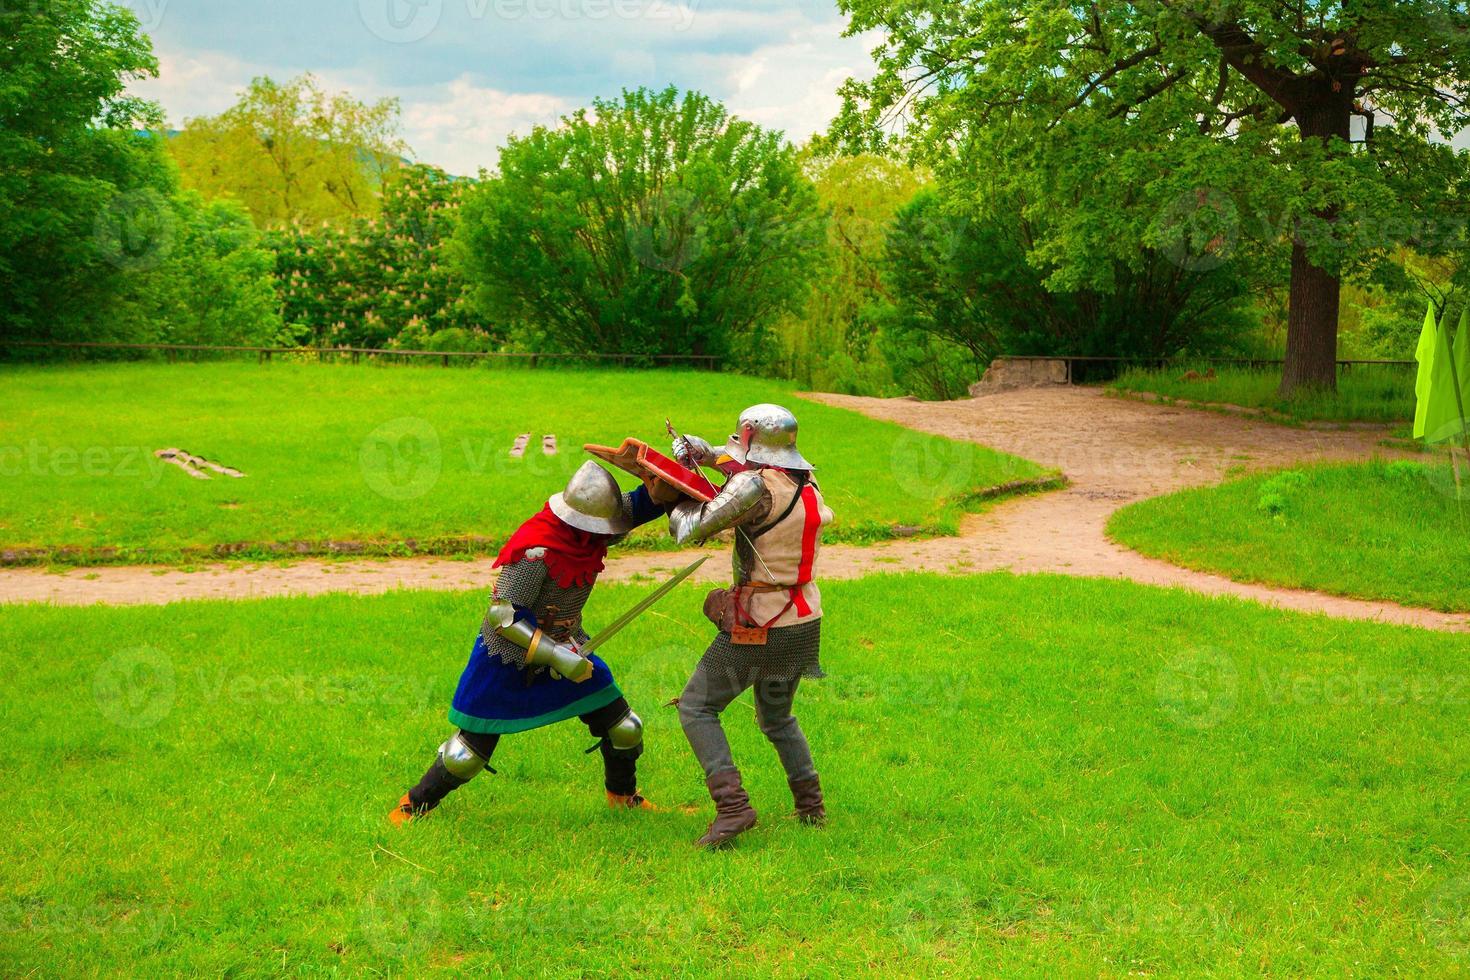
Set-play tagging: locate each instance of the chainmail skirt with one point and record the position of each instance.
(789, 651)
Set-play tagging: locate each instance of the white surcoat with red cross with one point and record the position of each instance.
(788, 553)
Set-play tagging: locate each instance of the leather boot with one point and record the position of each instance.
(733, 813)
(807, 793)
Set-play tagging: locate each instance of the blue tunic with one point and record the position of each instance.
(497, 693)
(494, 696)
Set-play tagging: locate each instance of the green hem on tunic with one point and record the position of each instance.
(498, 726)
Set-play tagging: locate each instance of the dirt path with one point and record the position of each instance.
(1113, 450)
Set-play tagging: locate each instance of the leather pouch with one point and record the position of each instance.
(719, 608)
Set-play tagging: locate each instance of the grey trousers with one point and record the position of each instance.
(724, 673)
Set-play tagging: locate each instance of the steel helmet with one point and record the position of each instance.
(592, 501)
(766, 435)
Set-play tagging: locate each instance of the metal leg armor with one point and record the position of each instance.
(456, 763)
(461, 761)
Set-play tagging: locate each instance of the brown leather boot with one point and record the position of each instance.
(807, 793)
(733, 813)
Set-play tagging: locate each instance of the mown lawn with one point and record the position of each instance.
(1365, 393)
(1114, 781)
(381, 456)
(1396, 531)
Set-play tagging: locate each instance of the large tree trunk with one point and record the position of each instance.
(1316, 293)
(1311, 326)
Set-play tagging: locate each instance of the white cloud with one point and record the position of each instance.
(792, 84)
(777, 66)
(202, 83)
(461, 126)
(457, 125)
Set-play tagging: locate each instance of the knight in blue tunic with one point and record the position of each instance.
(525, 670)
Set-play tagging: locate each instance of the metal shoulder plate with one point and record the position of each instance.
(692, 522)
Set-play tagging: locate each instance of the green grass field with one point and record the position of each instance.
(1118, 781)
(1394, 531)
(382, 456)
(1364, 393)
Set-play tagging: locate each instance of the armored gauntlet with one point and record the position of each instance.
(694, 452)
(541, 650)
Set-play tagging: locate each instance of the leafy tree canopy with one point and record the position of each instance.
(1211, 128)
(75, 177)
(293, 154)
(648, 224)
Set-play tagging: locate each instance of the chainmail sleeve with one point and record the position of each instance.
(520, 584)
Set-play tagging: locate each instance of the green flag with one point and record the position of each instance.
(1461, 362)
(1425, 356)
(1440, 402)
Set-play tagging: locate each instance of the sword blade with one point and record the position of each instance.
(612, 628)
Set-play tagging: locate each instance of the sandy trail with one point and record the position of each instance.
(1114, 451)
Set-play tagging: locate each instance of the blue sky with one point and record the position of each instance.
(469, 72)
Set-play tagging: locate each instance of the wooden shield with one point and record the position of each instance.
(643, 462)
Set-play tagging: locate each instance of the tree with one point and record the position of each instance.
(382, 280)
(215, 285)
(650, 224)
(1252, 98)
(82, 194)
(961, 272)
(828, 343)
(293, 154)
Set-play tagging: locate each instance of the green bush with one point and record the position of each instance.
(651, 224)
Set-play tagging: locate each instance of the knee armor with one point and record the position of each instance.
(626, 734)
(461, 761)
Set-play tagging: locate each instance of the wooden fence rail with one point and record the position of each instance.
(706, 361)
(1254, 363)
